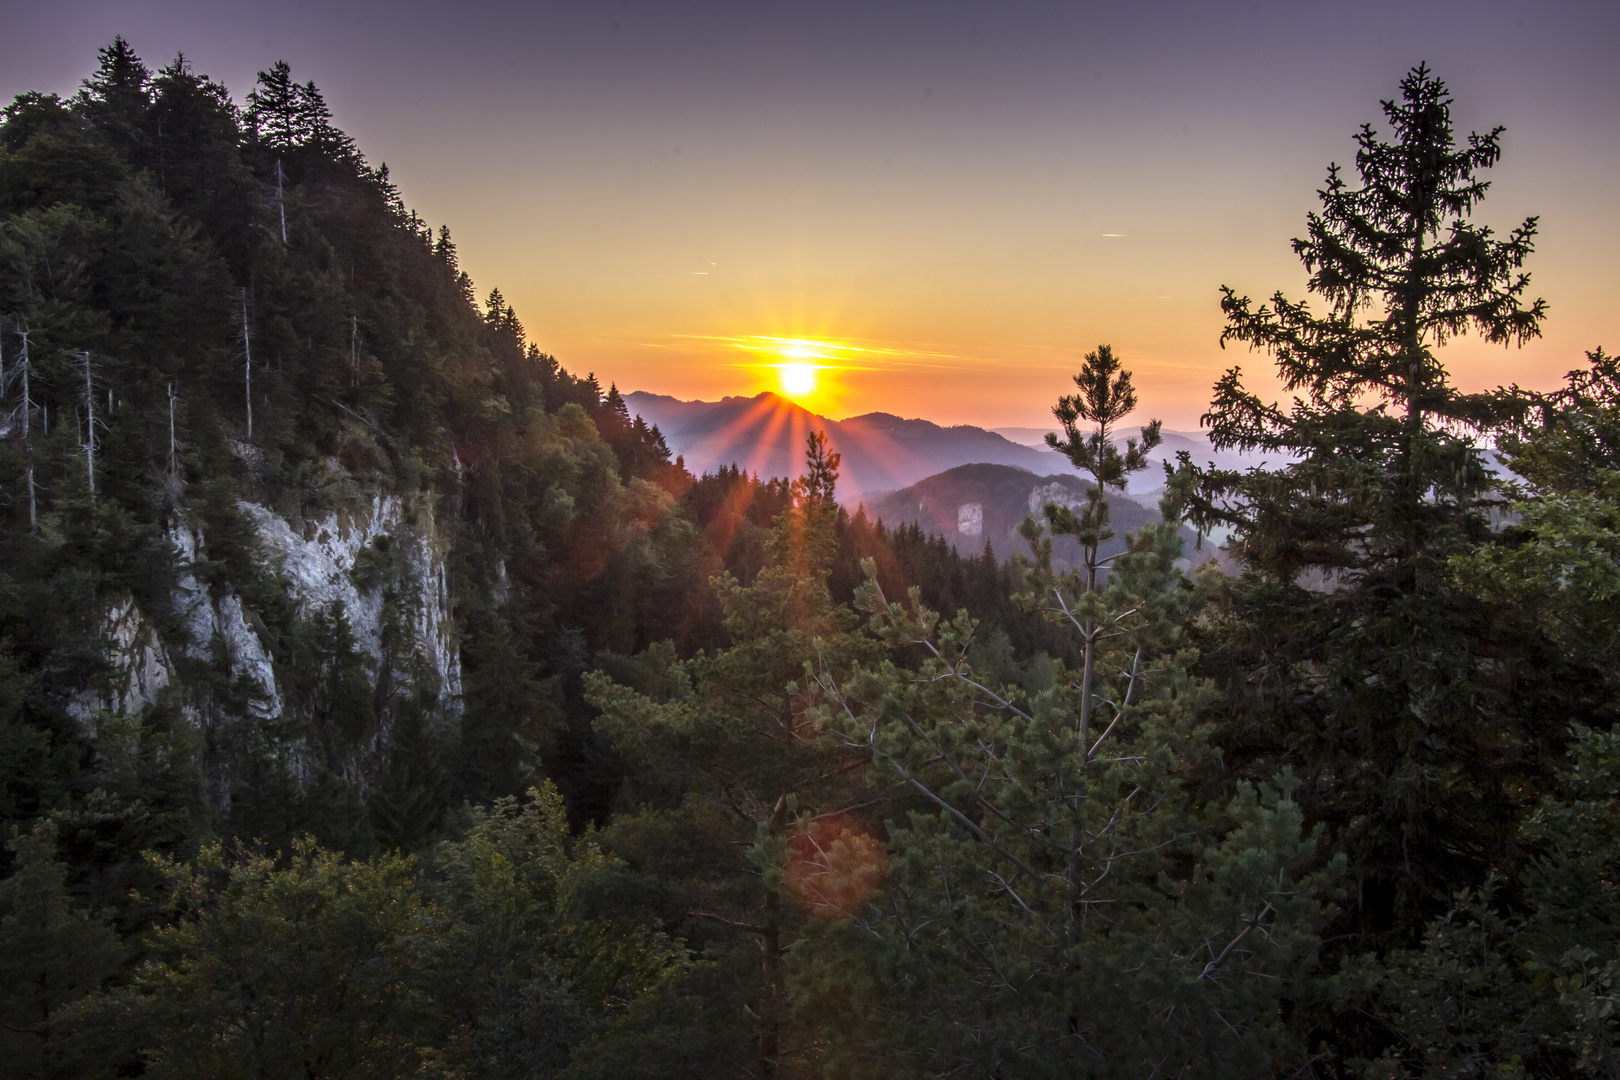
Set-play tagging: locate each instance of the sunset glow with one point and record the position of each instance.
(798, 380)
(718, 196)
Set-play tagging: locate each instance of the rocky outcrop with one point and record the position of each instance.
(138, 667)
(219, 622)
(381, 555)
(1063, 494)
(327, 564)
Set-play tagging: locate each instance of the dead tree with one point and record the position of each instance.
(89, 424)
(247, 366)
(172, 443)
(28, 444)
(281, 203)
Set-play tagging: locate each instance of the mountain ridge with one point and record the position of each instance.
(884, 452)
(881, 451)
(979, 505)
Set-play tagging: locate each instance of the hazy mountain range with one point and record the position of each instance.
(765, 434)
(1151, 480)
(974, 505)
(882, 453)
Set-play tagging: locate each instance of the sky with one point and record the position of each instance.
(938, 207)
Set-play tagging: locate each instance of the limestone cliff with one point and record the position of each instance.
(379, 564)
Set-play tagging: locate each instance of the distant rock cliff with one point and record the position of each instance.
(974, 505)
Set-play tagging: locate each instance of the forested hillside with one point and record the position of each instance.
(983, 504)
(378, 698)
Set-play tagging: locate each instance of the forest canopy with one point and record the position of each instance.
(380, 698)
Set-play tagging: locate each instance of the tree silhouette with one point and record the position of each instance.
(1345, 651)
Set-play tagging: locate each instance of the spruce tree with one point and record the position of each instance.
(1347, 653)
(276, 108)
(117, 97)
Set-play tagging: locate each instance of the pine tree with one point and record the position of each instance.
(1057, 908)
(1105, 398)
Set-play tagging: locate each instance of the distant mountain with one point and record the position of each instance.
(765, 434)
(972, 505)
(1151, 480)
(882, 452)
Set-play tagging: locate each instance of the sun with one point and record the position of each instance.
(805, 370)
(797, 380)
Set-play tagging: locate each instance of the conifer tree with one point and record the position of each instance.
(1346, 653)
(118, 96)
(316, 130)
(52, 952)
(1105, 398)
(733, 731)
(1057, 908)
(274, 111)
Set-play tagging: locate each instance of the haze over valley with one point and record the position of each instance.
(881, 452)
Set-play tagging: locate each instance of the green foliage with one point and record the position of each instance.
(1516, 989)
(486, 960)
(52, 952)
(548, 973)
(1561, 439)
(279, 966)
(1059, 904)
(733, 761)
(1415, 714)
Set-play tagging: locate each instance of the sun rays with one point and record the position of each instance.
(804, 368)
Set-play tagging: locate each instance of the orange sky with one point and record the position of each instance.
(974, 194)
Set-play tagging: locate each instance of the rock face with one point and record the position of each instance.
(321, 566)
(220, 622)
(1055, 492)
(970, 519)
(139, 669)
(368, 559)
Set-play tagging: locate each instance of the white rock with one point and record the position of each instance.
(141, 671)
(207, 616)
(319, 572)
(1055, 492)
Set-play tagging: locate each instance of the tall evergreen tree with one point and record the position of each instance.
(1407, 706)
(116, 98)
(275, 111)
